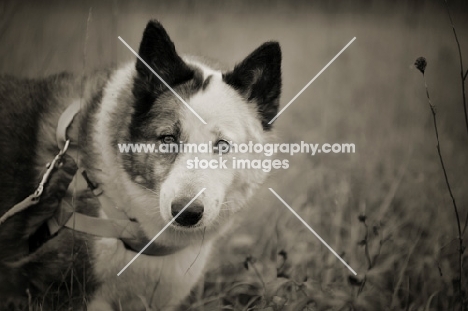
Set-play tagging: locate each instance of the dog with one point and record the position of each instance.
(74, 269)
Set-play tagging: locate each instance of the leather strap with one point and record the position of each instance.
(109, 228)
(29, 201)
(128, 231)
(65, 121)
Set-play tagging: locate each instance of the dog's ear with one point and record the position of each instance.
(158, 51)
(258, 79)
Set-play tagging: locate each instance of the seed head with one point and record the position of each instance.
(421, 64)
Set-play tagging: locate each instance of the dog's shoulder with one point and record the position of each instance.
(22, 104)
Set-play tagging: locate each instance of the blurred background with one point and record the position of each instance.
(404, 246)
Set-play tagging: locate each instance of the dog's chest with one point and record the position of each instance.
(150, 281)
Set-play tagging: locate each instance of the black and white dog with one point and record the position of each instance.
(78, 269)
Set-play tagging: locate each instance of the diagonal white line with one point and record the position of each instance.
(160, 232)
(313, 79)
(312, 230)
(167, 85)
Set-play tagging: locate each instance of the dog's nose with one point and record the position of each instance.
(191, 215)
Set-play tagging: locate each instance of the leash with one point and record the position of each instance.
(118, 225)
(35, 197)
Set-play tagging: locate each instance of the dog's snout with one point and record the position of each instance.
(191, 215)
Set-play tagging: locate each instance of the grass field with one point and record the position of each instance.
(405, 252)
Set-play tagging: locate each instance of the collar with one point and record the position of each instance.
(118, 225)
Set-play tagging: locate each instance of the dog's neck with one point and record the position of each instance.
(96, 126)
(95, 130)
(82, 129)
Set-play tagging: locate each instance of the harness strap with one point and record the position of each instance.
(119, 226)
(64, 122)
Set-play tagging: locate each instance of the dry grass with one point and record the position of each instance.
(405, 251)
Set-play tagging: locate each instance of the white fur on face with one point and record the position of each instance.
(228, 117)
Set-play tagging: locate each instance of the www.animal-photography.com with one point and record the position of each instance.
(234, 155)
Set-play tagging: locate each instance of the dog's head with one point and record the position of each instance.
(236, 106)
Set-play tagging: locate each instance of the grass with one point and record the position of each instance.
(385, 209)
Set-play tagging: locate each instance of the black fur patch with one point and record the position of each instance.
(158, 51)
(258, 78)
(155, 107)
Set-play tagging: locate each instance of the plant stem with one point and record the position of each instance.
(460, 239)
(463, 77)
(366, 247)
(462, 73)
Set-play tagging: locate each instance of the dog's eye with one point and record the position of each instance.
(168, 139)
(223, 146)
